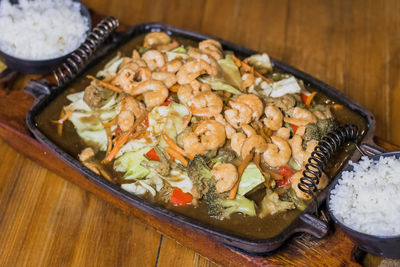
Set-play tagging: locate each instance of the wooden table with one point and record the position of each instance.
(45, 220)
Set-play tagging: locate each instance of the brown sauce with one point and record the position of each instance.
(242, 225)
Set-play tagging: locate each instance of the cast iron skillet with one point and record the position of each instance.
(39, 66)
(304, 223)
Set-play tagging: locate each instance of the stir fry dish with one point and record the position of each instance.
(195, 126)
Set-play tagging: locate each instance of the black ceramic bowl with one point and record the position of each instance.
(40, 66)
(384, 246)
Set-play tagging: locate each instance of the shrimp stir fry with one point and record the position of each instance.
(191, 124)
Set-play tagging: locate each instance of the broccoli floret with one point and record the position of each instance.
(316, 131)
(220, 207)
(224, 155)
(271, 204)
(326, 125)
(200, 174)
(312, 132)
(290, 196)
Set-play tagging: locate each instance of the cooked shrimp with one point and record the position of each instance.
(248, 130)
(154, 59)
(283, 132)
(208, 135)
(298, 153)
(174, 65)
(199, 55)
(206, 104)
(226, 176)
(185, 94)
(239, 114)
(237, 140)
(131, 104)
(256, 142)
(167, 78)
(199, 87)
(301, 117)
(142, 74)
(154, 92)
(126, 120)
(192, 145)
(278, 153)
(125, 77)
(254, 103)
(130, 110)
(295, 182)
(273, 118)
(229, 131)
(156, 38)
(247, 79)
(212, 47)
(191, 70)
(167, 47)
(301, 130)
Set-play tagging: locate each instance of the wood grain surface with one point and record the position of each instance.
(47, 221)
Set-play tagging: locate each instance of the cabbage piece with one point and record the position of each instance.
(111, 68)
(251, 178)
(286, 86)
(179, 178)
(129, 163)
(230, 72)
(88, 122)
(140, 187)
(179, 52)
(271, 204)
(169, 119)
(219, 84)
(261, 63)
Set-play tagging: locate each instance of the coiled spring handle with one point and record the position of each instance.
(74, 63)
(322, 153)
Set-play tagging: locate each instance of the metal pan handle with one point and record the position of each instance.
(77, 61)
(312, 225)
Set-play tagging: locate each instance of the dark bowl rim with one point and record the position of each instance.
(85, 13)
(342, 225)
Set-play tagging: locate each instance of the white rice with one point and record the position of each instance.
(368, 198)
(41, 29)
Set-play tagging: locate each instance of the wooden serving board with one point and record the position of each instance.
(301, 250)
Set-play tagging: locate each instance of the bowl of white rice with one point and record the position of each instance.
(364, 200)
(37, 36)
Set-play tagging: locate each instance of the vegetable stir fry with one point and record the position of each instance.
(188, 125)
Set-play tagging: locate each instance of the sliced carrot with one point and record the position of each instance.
(123, 139)
(187, 121)
(111, 123)
(109, 79)
(309, 99)
(106, 85)
(174, 146)
(237, 61)
(176, 155)
(241, 168)
(63, 117)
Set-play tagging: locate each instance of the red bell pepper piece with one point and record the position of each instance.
(294, 128)
(287, 173)
(152, 154)
(179, 198)
(303, 98)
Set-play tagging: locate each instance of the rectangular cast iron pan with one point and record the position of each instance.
(306, 222)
